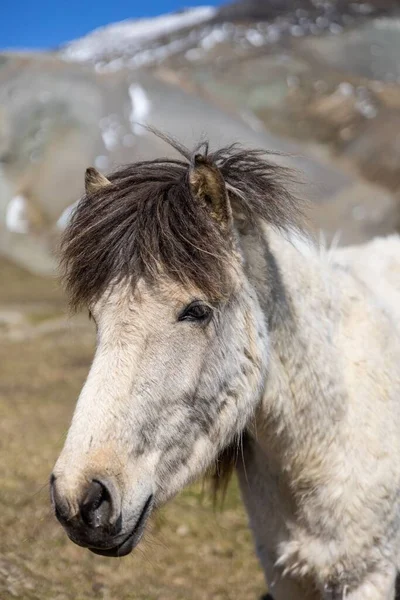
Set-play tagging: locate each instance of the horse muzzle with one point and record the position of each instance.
(96, 520)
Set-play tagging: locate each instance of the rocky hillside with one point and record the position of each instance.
(318, 80)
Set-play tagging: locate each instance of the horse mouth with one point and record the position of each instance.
(133, 538)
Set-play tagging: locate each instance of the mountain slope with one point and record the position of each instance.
(301, 81)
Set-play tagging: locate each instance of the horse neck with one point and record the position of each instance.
(304, 398)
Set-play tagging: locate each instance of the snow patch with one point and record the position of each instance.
(111, 130)
(216, 36)
(16, 215)
(255, 38)
(116, 37)
(141, 106)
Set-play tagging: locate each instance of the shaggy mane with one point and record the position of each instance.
(148, 220)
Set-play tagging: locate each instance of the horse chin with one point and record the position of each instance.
(133, 538)
(119, 551)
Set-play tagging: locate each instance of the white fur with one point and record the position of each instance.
(328, 432)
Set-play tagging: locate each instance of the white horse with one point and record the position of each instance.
(219, 323)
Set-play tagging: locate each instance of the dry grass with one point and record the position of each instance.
(190, 552)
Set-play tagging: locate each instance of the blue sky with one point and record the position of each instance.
(48, 23)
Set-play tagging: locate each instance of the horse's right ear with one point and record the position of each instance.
(208, 185)
(94, 180)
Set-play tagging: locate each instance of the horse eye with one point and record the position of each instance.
(195, 311)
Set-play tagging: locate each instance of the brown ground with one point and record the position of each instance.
(191, 552)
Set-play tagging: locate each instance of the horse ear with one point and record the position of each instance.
(94, 180)
(208, 185)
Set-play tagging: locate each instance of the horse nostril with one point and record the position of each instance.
(61, 507)
(96, 507)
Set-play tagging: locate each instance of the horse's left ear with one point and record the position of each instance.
(94, 180)
(208, 185)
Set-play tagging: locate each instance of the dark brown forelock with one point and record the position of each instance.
(148, 221)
